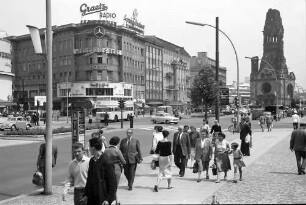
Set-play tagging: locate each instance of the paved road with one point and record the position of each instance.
(18, 161)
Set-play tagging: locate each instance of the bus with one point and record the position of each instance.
(110, 105)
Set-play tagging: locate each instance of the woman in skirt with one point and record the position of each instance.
(203, 153)
(163, 148)
(222, 161)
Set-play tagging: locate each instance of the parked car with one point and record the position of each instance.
(15, 123)
(164, 118)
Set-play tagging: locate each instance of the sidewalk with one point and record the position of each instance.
(270, 177)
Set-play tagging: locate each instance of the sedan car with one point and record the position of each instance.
(164, 118)
(15, 123)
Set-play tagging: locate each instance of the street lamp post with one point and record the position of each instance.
(237, 62)
(276, 81)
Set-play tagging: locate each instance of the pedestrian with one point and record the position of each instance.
(96, 135)
(245, 145)
(106, 117)
(215, 130)
(181, 149)
(113, 156)
(298, 144)
(237, 161)
(163, 149)
(90, 119)
(269, 121)
(186, 130)
(76, 174)
(203, 153)
(206, 125)
(262, 122)
(130, 148)
(41, 159)
(193, 136)
(101, 185)
(295, 120)
(157, 136)
(143, 112)
(222, 161)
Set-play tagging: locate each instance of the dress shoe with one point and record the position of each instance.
(181, 175)
(199, 180)
(130, 188)
(207, 176)
(302, 171)
(155, 188)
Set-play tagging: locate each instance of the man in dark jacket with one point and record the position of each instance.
(298, 144)
(101, 185)
(130, 149)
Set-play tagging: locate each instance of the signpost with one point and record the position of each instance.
(224, 96)
(77, 127)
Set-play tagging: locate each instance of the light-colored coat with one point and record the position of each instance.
(204, 153)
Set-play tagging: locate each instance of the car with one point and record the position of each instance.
(164, 118)
(15, 123)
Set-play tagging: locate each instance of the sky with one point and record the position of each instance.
(242, 20)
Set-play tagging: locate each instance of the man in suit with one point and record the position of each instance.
(181, 149)
(298, 144)
(130, 149)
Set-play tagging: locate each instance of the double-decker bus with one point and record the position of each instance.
(110, 105)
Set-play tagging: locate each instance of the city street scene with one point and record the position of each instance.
(152, 102)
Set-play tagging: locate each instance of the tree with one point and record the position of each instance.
(204, 90)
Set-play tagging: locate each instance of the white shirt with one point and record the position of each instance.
(158, 136)
(77, 173)
(295, 118)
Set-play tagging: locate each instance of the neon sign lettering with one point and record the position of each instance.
(86, 10)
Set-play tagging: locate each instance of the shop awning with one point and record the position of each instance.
(7, 103)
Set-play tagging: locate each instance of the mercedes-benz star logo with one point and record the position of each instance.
(99, 31)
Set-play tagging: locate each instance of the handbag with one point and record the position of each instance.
(152, 151)
(195, 167)
(153, 165)
(247, 138)
(214, 169)
(38, 178)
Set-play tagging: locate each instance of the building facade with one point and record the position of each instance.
(83, 56)
(203, 61)
(6, 75)
(271, 82)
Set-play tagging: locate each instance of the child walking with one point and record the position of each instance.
(237, 161)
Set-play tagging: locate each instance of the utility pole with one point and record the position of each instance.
(48, 166)
(217, 69)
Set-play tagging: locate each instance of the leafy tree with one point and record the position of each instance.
(204, 90)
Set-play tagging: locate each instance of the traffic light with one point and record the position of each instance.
(121, 104)
(236, 101)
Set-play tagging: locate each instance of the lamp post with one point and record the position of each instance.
(237, 62)
(276, 80)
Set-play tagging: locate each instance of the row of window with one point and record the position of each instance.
(131, 78)
(95, 42)
(134, 49)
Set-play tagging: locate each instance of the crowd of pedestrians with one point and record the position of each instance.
(96, 168)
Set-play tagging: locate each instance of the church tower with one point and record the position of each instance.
(271, 83)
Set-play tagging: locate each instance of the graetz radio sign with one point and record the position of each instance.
(86, 10)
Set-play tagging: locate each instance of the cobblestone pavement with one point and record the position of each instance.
(271, 179)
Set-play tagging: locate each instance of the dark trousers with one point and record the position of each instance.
(300, 160)
(93, 200)
(295, 125)
(245, 148)
(78, 195)
(129, 172)
(180, 160)
(106, 122)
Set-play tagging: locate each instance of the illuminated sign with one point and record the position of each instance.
(99, 31)
(86, 10)
(97, 50)
(133, 23)
(104, 22)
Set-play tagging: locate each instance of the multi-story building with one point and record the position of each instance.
(167, 74)
(203, 61)
(87, 58)
(6, 75)
(244, 91)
